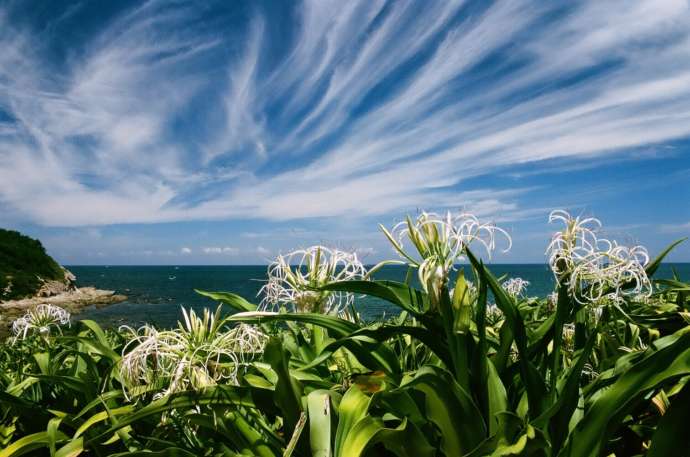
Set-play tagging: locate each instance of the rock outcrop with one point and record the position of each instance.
(30, 277)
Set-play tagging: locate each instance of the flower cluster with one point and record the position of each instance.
(592, 266)
(40, 319)
(439, 242)
(515, 286)
(294, 280)
(494, 315)
(197, 354)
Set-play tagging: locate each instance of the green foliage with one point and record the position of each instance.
(23, 261)
(452, 375)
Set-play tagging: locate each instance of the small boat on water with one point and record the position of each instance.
(172, 278)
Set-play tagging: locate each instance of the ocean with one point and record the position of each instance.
(156, 293)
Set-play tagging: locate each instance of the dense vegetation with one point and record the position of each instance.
(472, 368)
(23, 263)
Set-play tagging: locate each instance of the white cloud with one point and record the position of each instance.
(185, 251)
(676, 228)
(302, 136)
(220, 250)
(365, 252)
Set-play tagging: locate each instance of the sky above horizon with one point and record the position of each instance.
(228, 132)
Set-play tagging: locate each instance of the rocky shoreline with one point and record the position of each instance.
(73, 300)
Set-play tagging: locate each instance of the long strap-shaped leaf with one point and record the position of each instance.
(371, 353)
(602, 417)
(216, 395)
(653, 266)
(368, 351)
(671, 438)
(288, 391)
(353, 407)
(450, 408)
(428, 337)
(167, 452)
(233, 300)
(405, 440)
(320, 418)
(339, 327)
(358, 430)
(30, 443)
(560, 412)
(531, 378)
(412, 300)
(486, 383)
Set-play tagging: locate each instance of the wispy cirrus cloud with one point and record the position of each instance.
(358, 109)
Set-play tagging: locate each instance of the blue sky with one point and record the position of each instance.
(227, 132)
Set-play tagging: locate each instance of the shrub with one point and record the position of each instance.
(23, 263)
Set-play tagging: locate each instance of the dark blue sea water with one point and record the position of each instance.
(157, 292)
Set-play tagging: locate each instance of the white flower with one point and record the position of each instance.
(569, 336)
(552, 299)
(515, 286)
(197, 354)
(493, 314)
(439, 242)
(40, 319)
(592, 266)
(293, 279)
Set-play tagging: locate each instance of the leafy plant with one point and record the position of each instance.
(471, 367)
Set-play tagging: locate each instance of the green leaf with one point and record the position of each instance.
(559, 415)
(31, 443)
(671, 438)
(233, 300)
(167, 452)
(653, 266)
(339, 327)
(370, 352)
(288, 391)
(462, 307)
(97, 331)
(412, 300)
(353, 407)
(497, 396)
(72, 449)
(319, 408)
(660, 363)
(405, 440)
(383, 332)
(93, 346)
(450, 408)
(232, 396)
(534, 383)
(514, 437)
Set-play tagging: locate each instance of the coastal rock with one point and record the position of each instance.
(74, 301)
(50, 288)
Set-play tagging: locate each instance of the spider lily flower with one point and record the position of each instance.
(40, 320)
(552, 300)
(199, 353)
(573, 244)
(493, 314)
(293, 279)
(438, 242)
(569, 337)
(515, 286)
(594, 267)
